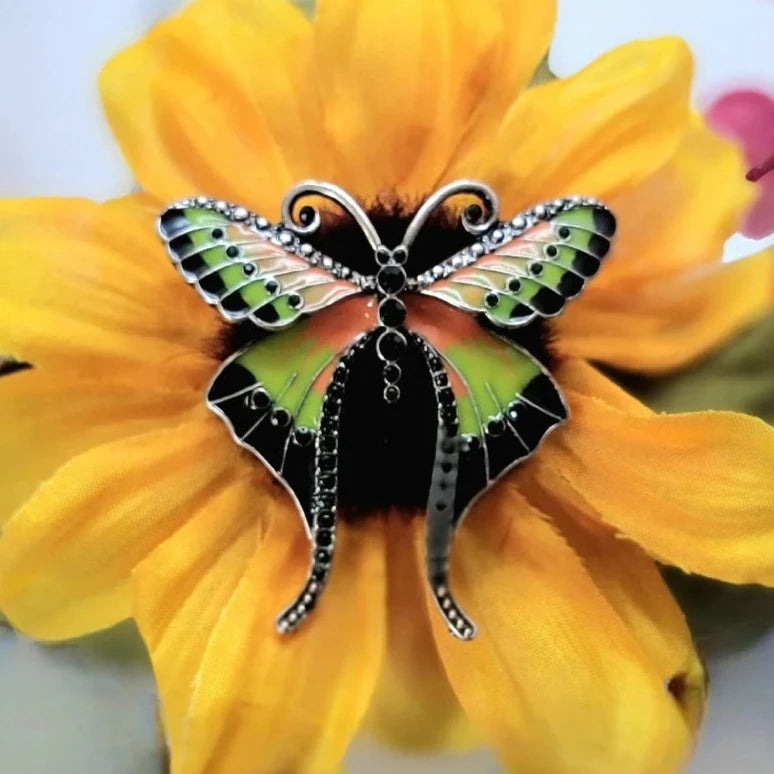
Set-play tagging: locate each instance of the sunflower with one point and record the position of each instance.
(123, 496)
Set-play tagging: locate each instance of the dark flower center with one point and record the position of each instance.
(386, 450)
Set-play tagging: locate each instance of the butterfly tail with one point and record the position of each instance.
(441, 516)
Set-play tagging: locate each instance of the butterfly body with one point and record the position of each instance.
(285, 397)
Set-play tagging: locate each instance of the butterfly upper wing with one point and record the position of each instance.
(271, 394)
(528, 267)
(505, 401)
(249, 269)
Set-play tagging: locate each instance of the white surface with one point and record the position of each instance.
(70, 710)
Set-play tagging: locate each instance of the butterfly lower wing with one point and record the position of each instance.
(246, 267)
(272, 395)
(528, 267)
(505, 400)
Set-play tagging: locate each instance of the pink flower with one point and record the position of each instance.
(747, 116)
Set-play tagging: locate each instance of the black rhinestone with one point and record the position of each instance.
(536, 269)
(513, 410)
(327, 443)
(435, 363)
(217, 233)
(248, 269)
(473, 443)
(552, 251)
(392, 312)
(332, 407)
(322, 556)
(326, 482)
(280, 418)
(448, 445)
(495, 426)
(452, 427)
(391, 373)
(391, 393)
(272, 286)
(447, 467)
(391, 345)
(473, 212)
(491, 300)
(391, 279)
(303, 436)
(340, 373)
(514, 285)
(324, 538)
(306, 215)
(329, 424)
(295, 301)
(442, 379)
(327, 462)
(232, 251)
(564, 232)
(319, 574)
(335, 390)
(325, 499)
(325, 519)
(259, 399)
(446, 396)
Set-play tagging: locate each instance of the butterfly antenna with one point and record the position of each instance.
(439, 529)
(324, 502)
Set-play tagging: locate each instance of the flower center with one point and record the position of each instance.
(756, 173)
(386, 450)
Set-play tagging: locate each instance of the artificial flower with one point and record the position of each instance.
(747, 116)
(123, 496)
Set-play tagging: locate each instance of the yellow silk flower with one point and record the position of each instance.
(124, 496)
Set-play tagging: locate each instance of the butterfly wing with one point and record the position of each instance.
(529, 267)
(248, 268)
(272, 393)
(505, 401)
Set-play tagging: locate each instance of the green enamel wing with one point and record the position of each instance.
(283, 394)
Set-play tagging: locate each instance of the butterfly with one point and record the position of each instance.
(281, 396)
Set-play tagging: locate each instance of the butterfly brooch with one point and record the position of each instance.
(316, 320)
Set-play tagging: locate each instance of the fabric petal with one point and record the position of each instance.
(266, 702)
(222, 102)
(759, 222)
(67, 555)
(88, 291)
(181, 587)
(413, 706)
(663, 324)
(599, 132)
(403, 80)
(698, 487)
(633, 585)
(47, 419)
(554, 676)
(679, 217)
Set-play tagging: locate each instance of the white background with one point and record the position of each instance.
(89, 706)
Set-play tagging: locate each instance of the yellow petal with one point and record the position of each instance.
(632, 584)
(599, 132)
(48, 418)
(697, 489)
(413, 706)
(403, 80)
(665, 323)
(680, 216)
(266, 702)
(180, 589)
(219, 99)
(554, 677)
(88, 291)
(526, 29)
(67, 555)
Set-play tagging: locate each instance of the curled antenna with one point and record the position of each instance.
(309, 217)
(476, 219)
